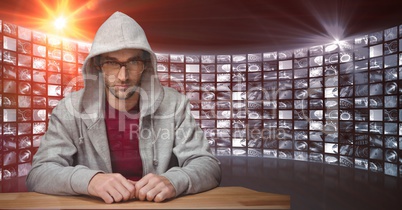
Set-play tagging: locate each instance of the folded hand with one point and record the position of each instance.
(153, 187)
(111, 187)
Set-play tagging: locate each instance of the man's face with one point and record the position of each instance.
(122, 72)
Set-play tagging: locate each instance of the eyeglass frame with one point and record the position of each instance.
(145, 59)
(121, 64)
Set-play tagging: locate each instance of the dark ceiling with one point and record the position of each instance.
(220, 26)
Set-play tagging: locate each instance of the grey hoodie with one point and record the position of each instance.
(75, 146)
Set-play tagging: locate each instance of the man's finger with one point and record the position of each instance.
(106, 197)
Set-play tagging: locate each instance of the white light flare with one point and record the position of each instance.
(60, 23)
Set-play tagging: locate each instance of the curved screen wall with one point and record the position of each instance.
(337, 103)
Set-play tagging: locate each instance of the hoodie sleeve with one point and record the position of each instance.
(53, 170)
(198, 169)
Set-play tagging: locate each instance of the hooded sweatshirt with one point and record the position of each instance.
(75, 146)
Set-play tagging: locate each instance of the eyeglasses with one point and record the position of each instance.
(113, 67)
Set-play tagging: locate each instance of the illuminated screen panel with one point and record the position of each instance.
(37, 71)
(336, 103)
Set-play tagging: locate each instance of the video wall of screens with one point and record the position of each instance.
(36, 71)
(336, 103)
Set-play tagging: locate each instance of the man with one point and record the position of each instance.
(123, 136)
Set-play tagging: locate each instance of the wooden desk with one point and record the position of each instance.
(218, 198)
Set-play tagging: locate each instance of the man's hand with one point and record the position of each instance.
(153, 187)
(111, 187)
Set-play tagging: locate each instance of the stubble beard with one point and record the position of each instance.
(131, 91)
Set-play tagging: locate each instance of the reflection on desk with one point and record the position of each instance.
(218, 198)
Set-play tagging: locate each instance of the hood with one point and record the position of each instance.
(118, 32)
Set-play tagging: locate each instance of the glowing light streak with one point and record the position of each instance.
(45, 14)
(63, 18)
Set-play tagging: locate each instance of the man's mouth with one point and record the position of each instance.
(123, 91)
(122, 87)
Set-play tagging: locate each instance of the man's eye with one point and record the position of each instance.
(111, 63)
(134, 62)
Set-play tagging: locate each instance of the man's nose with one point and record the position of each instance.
(123, 74)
